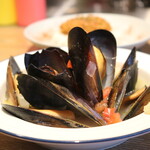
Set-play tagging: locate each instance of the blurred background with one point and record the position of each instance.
(79, 6)
(16, 15)
(139, 8)
(24, 12)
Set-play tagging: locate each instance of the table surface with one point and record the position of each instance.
(13, 42)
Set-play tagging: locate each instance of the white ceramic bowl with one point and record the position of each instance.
(128, 30)
(85, 138)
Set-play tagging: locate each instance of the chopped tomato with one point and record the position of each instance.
(110, 116)
(69, 64)
(106, 92)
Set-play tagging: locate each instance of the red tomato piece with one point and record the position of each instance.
(110, 116)
(69, 64)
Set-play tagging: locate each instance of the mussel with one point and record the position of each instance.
(50, 64)
(43, 94)
(11, 88)
(42, 119)
(106, 42)
(84, 65)
(126, 78)
(135, 107)
(76, 82)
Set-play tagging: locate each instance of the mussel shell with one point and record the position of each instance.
(49, 56)
(36, 92)
(14, 66)
(118, 91)
(45, 94)
(50, 64)
(106, 42)
(61, 52)
(137, 106)
(41, 119)
(134, 77)
(123, 81)
(12, 70)
(84, 65)
(131, 61)
(80, 104)
(64, 78)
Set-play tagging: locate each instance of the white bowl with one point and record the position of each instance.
(128, 30)
(86, 138)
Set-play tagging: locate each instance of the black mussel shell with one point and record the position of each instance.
(79, 104)
(45, 94)
(40, 59)
(123, 80)
(137, 107)
(38, 94)
(84, 65)
(131, 60)
(118, 90)
(50, 64)
(106, 42)
(42, 119)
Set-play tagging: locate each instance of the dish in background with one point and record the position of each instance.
(129, 31)
(61, 138)
(88, 23)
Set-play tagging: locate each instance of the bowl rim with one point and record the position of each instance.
(124, 137)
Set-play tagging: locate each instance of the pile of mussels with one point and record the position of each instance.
(59, 84)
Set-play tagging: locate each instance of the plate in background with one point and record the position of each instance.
(129, 31)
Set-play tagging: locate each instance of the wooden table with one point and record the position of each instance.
(13, 42)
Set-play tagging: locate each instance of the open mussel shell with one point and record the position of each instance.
(118, 91)
(120, 85)
(50, 64)
(137, 107)
(84, 65)
(41, 119)
(131, 61)
(106, 43)
(45, 94)
(12, 70)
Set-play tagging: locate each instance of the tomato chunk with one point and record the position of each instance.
(110, 116)
(69, 64)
